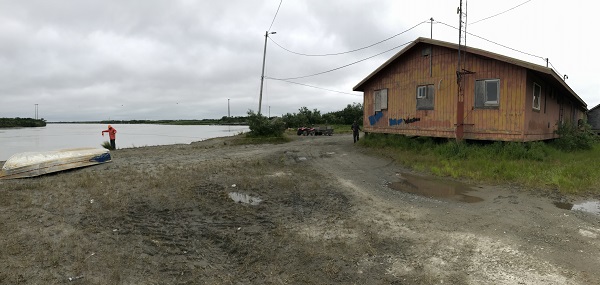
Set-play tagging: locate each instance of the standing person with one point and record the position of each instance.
(111, 134)
(355, 129)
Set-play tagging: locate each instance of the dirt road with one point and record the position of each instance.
(318, 210)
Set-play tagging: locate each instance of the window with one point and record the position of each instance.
(487, 93)
(380, 100)
(425, 96)
(537, 94)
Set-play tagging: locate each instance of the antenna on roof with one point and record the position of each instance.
(431, 35)
(462, 32)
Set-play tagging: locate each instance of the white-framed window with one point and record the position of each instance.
(381, 101)
(537, 96)
(487, 93)
(425, 97)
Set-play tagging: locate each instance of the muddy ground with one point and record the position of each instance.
(317, 210)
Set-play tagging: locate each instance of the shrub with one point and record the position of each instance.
(261, 126)
(573, 138)
(107, 145)
(453, 149)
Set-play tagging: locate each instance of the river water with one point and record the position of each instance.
(63, 136)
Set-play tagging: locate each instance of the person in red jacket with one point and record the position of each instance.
(111, 134)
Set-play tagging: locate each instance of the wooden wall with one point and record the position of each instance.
(506, 122)
(513, 120)
(401, 78)
(556, 106)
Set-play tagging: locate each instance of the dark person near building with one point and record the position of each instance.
(355, 129)
(111, 134)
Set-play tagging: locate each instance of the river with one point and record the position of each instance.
(63, 136)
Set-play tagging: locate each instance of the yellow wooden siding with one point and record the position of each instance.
(401, 79)
(513, 120)
(505, 121)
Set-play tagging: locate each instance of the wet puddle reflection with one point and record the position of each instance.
(435, 187)
(587, 206)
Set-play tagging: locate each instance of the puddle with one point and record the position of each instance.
(434, 187)
(279, 174)
(587, 206)
(244, 198)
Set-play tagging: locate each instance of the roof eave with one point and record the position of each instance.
(514, 61)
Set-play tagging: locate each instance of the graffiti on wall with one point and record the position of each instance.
(395, 122)
(375, 118)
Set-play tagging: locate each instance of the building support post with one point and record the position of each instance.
(460, 108)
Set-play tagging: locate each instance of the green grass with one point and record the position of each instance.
(534, 165)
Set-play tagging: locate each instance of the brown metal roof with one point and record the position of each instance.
(547, 73)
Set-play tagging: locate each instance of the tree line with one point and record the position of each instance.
(261, 126)
(21, 122)
(305, 117)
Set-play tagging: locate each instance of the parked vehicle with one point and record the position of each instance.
(315, 131)
(305, 131)
(324, 131)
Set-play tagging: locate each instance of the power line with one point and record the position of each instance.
(316, 87)
(504, 46)
(343, 66)
(554, 68)
(340, 53)
(281, 1)
(501, 12)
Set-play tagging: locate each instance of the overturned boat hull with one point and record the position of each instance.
(30, 164)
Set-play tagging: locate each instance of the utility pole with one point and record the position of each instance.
(262, 76)
(460, 100)
(431, 35)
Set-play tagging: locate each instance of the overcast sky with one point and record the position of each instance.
(83, 60)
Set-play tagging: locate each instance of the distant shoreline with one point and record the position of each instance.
(227, 122)
(21, 123)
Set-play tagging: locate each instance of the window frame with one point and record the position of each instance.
(539, 97)
(426, 94)
(380, 99)
(485, 102)
(421, 95)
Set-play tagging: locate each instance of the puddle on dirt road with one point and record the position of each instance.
(587, 206)
(434, 187)
(244, 198)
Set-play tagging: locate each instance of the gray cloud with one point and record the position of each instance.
(93, 60)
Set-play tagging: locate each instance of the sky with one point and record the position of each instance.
(83, 60)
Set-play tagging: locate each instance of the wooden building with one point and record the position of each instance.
(593, 118)
(416, 93)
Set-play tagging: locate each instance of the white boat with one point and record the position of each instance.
(30, 164)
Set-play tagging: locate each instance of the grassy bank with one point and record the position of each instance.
(536, 165)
